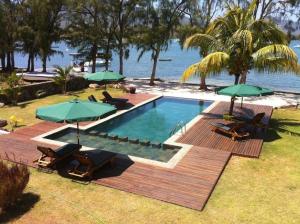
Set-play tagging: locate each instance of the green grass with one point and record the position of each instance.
(264, 190)
(26, 110)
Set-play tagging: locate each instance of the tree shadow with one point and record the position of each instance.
(24, 205)
(277, 126)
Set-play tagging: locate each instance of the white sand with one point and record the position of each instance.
(3, 132)
(192, 91)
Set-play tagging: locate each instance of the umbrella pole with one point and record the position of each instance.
(231, 106)
(77, 133)
(242, 102)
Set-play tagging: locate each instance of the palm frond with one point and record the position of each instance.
(204, 41)
(267, 32)
(279, 51)
(249, 12)
(276, 64)
(211, 64)
(245, 38)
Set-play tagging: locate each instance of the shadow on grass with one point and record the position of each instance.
(281, 126)
(24, 205)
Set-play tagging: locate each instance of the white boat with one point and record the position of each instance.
(297, 46)
(99, 62)
(77, 69)
(165, 59)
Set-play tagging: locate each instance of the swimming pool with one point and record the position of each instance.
(153, 122)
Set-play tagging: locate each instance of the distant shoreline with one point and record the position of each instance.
(197, 84)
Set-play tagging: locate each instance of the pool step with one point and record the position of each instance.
(156, 144)
(103, 134)
(93, 132)
(145, 142)
(113, 137)
(123, 139)
(134, 141)
(170, 147)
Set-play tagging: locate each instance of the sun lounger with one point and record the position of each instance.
(233, 130)
(50, 157)
(255, 121)
(92, 98)
(90, 161)
(118, 102)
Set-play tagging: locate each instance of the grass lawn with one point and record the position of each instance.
(26, 110)
(264, 190)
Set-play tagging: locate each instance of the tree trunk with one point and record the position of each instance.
(44, 61)
(3, 61)
(243, 78)
(106, 56)
(32, 62)
(65, 87)
(121, 55)
(28, 63)
(93, 64)
(94, 54)
(8, 61)
(155, 59)
(13, 60)
(203, 83)
(237, 77)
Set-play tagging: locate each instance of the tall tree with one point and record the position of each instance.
(238, 43)
(2, 37)
(28, 29)
(159, 22)
(49, 27)
(126, 13)
(91, 27)
(9, 22)
(202, 13)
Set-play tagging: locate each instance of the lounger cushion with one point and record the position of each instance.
(99, 156)
(92, 98)
(222, 126)
(67, 149)
(108, 97)
(123, 100)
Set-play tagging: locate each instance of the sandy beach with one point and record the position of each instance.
(277, 100)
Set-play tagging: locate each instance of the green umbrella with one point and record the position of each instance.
(105, 76)
(242, 90)
(74, 111)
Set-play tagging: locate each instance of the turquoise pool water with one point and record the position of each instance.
(151, 122)
(154, 121)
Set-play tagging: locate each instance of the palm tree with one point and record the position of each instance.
(63, 77)
(161, 18)
(237, 42)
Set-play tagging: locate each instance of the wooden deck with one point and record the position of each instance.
(189, 184)
(201, 135)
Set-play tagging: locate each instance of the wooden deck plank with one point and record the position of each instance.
(201, 135)
(189, 184)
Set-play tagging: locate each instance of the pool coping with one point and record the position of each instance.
(170, 141)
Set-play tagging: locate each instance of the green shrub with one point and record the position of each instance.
(14, 179)
(13, 87)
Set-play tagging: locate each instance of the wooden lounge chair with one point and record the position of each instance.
(232, 129)
(50, 157)
(118, 102)
(255, 121)
(92, 98)
(90, 161)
